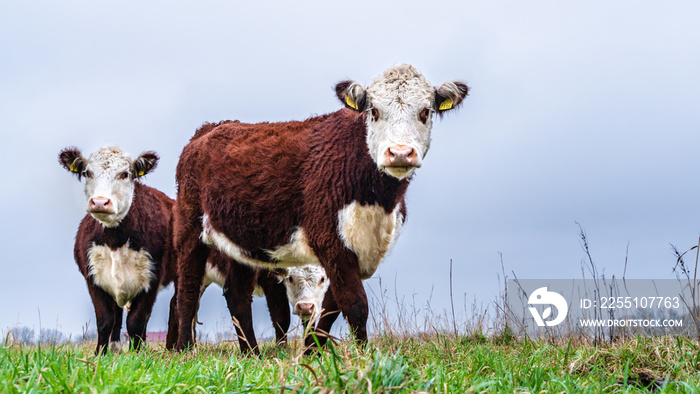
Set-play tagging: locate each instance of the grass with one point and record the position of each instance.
(434, 363)
(403, 357)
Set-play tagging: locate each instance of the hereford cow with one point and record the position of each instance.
(302, 287)
(121, 243)
(306, 286)
(327, 191)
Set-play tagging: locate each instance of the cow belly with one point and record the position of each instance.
(296, 252)
(213, 275)
(122, 272)
(369, 232)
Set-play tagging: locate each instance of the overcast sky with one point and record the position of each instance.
(583, 112)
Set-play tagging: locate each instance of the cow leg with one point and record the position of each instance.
(238, 291)
(171, 338)
(138, 316)
(352, 302)
(191, 262)
(115, 337)
(277, 303)
(104, 315)
(349, 293)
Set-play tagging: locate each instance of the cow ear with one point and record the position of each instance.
(280, 272)
(72, 160)
(352, 94)
(450, 95)
(145, 163)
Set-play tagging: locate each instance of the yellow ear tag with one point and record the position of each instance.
(351, 102)
(445, 105)
(72, 168)
(140, 173)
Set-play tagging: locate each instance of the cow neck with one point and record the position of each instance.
(118, 236)
(343, 140)
(379, 188)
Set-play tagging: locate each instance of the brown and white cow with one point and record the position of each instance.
(239, 283)
(302, 287)
(306, 287)
(327, 191)
(122, 242)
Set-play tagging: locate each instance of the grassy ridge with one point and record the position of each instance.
(436, 364)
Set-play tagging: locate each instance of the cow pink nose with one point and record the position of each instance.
(401, 156)
(100, 204)
(305, 309)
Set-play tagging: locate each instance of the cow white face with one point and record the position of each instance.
(109, 175)
(399, 106)
(306, 286)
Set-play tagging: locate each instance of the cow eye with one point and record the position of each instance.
(87, 174)
(424, 114)
(322, 280)
(124, 175)
(375, 113)
(290, 279)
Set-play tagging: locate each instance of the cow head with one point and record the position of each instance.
(109, 175)
(306, 286)
(399, 107)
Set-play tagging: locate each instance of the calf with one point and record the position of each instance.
(302, 287)
(306, 286)
(122, 242)
(328, 190)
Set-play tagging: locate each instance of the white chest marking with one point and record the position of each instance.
(369, 231)
(296, 252)
(123, 273)
(212, 275)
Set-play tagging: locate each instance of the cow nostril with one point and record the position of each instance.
(401, 155)
(100, 203)
(305, 308)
